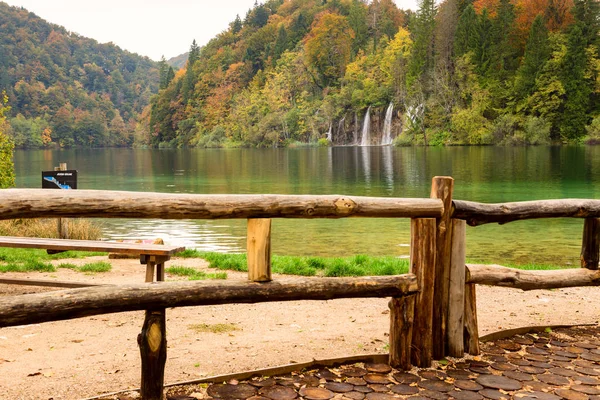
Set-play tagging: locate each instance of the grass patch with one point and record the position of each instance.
(359, 265)
(68, 266)
(193, 274)
(95, 267)
(27, 266)
(213, 328)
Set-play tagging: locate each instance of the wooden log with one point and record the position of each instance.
(75, 303)
(258, 249)
(441, 188)
(471, 332)
(456, 294)
(590, 247)
(422, 264)
(401, 326)
(35, 203)
(497, 275)
(152, 342)
(479, 213)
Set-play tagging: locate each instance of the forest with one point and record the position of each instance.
(333, 71)
(67, 90)
(299, 72)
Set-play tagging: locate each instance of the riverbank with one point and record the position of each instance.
(88, 356)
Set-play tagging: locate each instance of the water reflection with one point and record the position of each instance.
(487, 174)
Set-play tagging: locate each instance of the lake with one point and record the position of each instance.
(485, 174)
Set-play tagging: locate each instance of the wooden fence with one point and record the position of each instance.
(433, 307)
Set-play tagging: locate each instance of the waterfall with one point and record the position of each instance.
(386, 139)
(366, 128)
(329, 134)
(355, 141)
(340, 128)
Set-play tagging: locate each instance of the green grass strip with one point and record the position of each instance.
(359, 265)
(193, 274)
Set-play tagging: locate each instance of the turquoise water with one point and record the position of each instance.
(486, 174)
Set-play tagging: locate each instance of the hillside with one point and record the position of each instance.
(178, 62)
(457, 72)
(67, 90)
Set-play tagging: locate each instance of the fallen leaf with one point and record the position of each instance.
(35, 374)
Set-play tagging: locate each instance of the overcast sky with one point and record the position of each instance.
(148, 27)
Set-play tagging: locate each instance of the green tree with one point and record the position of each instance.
(467, 34)
(189, 81)
(422, 57)
(7, 166)
(281, 43)
(357, 18)
(236, 25)
(537, 52)
(577, 91)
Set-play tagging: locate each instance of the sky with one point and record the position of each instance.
(150, 28)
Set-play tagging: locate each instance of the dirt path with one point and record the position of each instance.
(89, 356)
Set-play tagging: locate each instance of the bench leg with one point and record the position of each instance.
(150, 271)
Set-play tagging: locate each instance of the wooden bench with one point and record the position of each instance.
(154, 256)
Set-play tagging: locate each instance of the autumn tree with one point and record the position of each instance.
(558, 14)
(328, 47)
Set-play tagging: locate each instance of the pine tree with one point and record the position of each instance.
(537, 52)
(163, 71)
(467, 34)
(422, 60)
(189, 81)
(577, 91)
(504, 53)
(281, 43)
(236, 26)
(587, 13)
(484, 47)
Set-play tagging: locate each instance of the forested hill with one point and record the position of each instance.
(65, 89)
(457, 72)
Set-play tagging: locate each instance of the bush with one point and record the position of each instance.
(536, 130)
(404, 139)
(323, 142)
(593, 132)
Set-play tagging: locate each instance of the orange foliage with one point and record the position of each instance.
(491, 5)
(527, 10)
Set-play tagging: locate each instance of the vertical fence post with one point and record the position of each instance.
(441, 188)
(590, 245)
(471, 332)
(258, 248)
(152, 341)
(456, 294)
(402, 311)
(62, 223)
(422, 264)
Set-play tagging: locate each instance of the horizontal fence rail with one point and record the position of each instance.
(480, 213)
(497, 275)
(75, 303)
(39, 203)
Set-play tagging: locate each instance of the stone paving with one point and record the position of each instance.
(561, 364)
